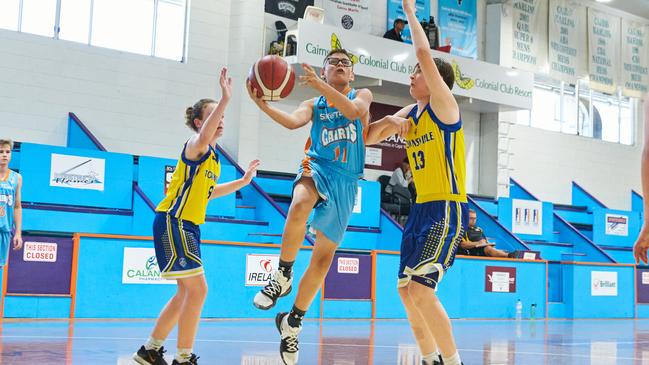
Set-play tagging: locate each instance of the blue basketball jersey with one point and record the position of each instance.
(8, 187)
(336, 141)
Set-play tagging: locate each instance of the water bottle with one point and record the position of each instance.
(519, 310)
(533, 311)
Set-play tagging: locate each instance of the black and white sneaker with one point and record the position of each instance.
(278, 286)
(150, 357)
(192, 361)
(435, 362)
(288, 347)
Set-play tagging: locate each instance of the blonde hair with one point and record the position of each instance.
(196, 112)
(7, 141)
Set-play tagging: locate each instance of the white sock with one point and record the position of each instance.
(153, 344)
(183, 355)
(433, 356)
(453, 360)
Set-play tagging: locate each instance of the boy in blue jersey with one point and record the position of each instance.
(327, 180)
(11, 212)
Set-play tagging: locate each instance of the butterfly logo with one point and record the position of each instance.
(335, 44)
(462, 81)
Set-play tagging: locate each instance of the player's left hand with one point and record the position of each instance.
(226, 84)
(402, 125)
(641, 245)
(409, 6)
(18, 241)
(310, 77)
(252, 171)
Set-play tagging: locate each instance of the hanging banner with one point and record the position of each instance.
(635, 66)
(395, 11)
(458, 26)
(292, 9)
(529, 34)
(603, 51)
(567, 40)
(351, 15)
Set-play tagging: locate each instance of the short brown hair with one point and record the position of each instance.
(446, 70)
(196, 112)
(7, 141)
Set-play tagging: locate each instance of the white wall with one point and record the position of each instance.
(133, 104)
(547, 162)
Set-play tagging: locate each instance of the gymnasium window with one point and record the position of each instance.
(148, 27)
(578, 110)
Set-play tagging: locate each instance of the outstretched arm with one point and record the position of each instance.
(351, 109)
(232, 186)
(299, 118)
(441, 99)
(388, 126)
(198, 145)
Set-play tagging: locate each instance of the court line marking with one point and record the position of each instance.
(585, 356)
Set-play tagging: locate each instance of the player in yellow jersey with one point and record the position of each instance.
(176, 232)
(437, 221)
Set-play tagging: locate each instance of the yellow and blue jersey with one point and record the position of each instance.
(436, 152)
(191, 186)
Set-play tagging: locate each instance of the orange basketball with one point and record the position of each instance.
(272, 77)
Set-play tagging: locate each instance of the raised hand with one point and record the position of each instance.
(252, 92)
(409, 6)
(310, 77)
(641, 245)
(251, 172)
(226, 84)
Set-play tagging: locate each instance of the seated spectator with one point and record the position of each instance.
(397, 29)
(476, 244)
(401, 181)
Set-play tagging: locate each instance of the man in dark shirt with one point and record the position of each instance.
(475, 243)
(395, 32)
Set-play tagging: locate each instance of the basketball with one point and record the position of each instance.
(272, 77)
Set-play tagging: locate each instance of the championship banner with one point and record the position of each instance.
(458, 26)
(529, 34)
(351, 15)
(567, 36)
(635, 64)
(42, 266)
(603, 51)
(292, 9)
(395, 11)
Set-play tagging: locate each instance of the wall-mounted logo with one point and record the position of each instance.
(462, 81)
(77, 172)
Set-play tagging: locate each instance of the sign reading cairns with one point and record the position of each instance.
(77, 172)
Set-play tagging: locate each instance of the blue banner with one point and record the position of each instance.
(395, 11)
(458, 28)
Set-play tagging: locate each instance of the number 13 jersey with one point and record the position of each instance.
(436, 152)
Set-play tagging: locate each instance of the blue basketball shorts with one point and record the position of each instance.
(177, 247)
(431, 237)
(338, 195)
(5, 245)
